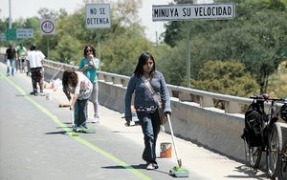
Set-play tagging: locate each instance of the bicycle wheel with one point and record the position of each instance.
(282, 164)
(274, 147)
(253, 155)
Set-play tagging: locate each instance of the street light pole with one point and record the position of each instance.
(188, 57)
(10, 18)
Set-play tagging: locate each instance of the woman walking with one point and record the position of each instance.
(146, 107)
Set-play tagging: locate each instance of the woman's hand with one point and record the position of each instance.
(167, 113)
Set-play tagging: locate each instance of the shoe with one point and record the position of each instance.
(76, 129)
(150, 166)
(130, 123)
(34, 93)
(83, 127)
(155, 166)
(96, 120)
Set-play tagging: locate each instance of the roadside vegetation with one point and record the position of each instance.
(244, 56)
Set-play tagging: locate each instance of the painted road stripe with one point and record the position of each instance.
(55, 119)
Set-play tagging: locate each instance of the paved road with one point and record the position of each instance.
(36, 142)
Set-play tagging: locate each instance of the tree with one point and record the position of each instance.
(226, 78)
(256, 37)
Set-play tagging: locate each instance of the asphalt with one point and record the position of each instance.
(36, 142)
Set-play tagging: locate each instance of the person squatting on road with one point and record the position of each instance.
(35, 62)
(11, 60)
(89, 65)
(146, 107)
(77, 84)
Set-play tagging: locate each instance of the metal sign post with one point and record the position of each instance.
(47, 27)
(185, 12)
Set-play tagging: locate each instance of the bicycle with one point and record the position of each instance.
(282, 161)
(270, 140)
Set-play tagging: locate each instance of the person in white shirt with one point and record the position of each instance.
(35, 63)
(77, 84)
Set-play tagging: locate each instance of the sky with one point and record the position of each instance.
(29, 8)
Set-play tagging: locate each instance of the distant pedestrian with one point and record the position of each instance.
(21, 57)
(89, 65)
(145, 105)
(77, 84)
(11, 60)
(35, 63)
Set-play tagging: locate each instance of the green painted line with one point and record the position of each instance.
(76, 136)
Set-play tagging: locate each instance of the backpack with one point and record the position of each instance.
(253, 130)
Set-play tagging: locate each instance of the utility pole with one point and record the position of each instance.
(188, 57)
(10, 18)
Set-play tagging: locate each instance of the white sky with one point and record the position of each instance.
(29, 8)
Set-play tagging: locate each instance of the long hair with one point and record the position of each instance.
(93, 50)
(70, 79)
(141, 62)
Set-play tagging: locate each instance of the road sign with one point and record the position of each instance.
(24, 33)
(47, 27)
(10, 34)
(98, 16)
(2, 37)
(193, 12)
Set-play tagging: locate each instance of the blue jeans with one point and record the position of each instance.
(80, 111)
(11, 66)
(150, 124)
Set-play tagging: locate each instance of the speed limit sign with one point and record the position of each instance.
(47, 27)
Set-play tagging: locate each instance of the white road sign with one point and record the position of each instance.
(24, 33)
(98, 16)
(193, 12)
(2, 37)
(47, 27)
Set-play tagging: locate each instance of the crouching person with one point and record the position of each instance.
(77, 84)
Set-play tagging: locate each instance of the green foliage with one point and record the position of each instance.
(278, 83)
(226, 78)
(172, 64)
(67, 50)
(120, 55)
(256, 38)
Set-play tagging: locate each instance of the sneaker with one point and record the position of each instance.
(96, 120)
(34, 93)
(76, 129)
(83, 127)
(155, 166)
(150, 166)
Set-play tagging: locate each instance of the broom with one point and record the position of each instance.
(176, 171)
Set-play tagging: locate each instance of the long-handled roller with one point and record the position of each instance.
(176, 171)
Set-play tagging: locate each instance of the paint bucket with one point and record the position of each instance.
(166, 150)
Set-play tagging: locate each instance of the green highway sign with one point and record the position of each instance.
(10, 35)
